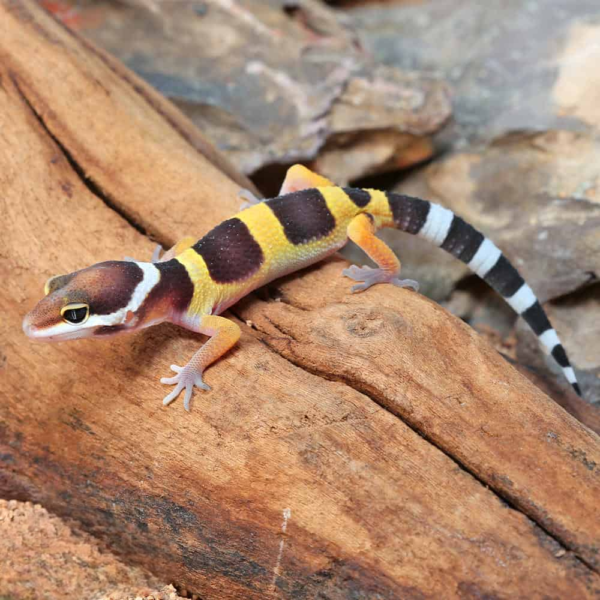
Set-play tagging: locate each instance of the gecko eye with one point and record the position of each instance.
(75, 314)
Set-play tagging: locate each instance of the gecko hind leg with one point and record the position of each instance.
(298, 177)
(361, 231)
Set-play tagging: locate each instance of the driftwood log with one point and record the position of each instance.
(351, 447)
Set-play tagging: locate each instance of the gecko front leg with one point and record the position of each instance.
(223, 335)
(247, 198)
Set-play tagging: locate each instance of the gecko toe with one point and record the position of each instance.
(369, 276)
(188, 396)
(406, 283)
(156, 254)
(352, 272)
(170, 397)
(248, 198)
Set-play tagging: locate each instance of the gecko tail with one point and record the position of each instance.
(448, 231)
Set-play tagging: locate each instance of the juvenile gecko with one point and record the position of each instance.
(195, 281)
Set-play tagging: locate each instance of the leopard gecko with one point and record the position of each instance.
(196, 281)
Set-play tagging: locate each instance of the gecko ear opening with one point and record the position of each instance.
(56, 282)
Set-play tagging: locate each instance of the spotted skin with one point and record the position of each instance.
(312, 218)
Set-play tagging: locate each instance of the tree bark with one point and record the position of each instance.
(351, 446)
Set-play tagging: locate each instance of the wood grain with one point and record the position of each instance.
(352, 446)
(112, 124)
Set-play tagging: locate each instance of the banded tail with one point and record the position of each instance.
(448, 231)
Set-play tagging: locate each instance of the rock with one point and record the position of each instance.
(538, 197)
(276, 82)
(577, 319)
(511, 66)
(381, 122)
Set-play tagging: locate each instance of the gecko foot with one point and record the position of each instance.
(249, 199)
(156, 254)
(185, 378)
(369, 277)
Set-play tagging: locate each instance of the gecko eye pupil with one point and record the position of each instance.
(76, 315)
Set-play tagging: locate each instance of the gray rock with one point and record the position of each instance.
(512, 65)
(537, 196)
(277, 82)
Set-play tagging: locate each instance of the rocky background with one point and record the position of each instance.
(491, 109)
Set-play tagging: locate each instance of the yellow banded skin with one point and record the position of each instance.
(290, 232)
(271, 239)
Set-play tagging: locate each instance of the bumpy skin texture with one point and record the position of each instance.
(194, 282)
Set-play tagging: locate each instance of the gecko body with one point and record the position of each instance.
(196, 281)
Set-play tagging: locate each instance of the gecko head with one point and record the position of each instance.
(98, 301)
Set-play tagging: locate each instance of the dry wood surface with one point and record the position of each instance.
(367, 446)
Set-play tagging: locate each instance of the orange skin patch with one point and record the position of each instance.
(362, 232)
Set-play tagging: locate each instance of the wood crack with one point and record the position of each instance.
(371, 394)
(87, 181)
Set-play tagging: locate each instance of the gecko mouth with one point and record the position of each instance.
(29, 329)
(40, 334)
